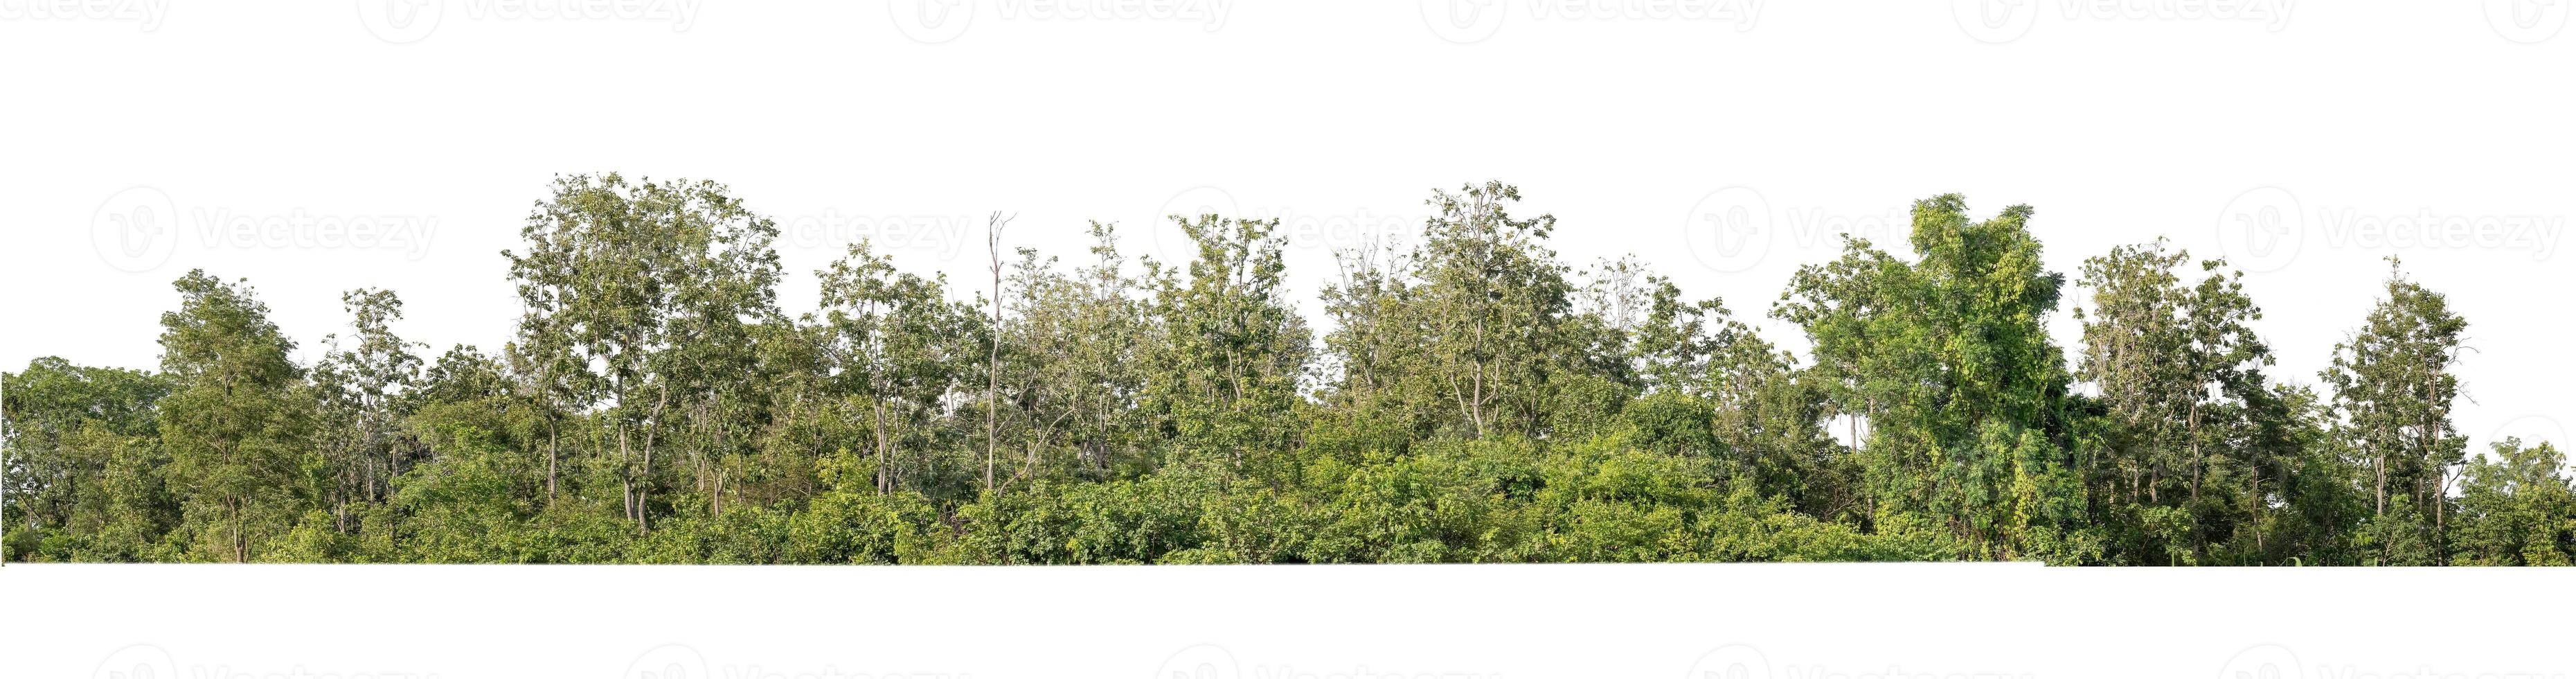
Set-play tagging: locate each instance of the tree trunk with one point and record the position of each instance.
(551, 455)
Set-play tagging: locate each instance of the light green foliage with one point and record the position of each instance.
(84, 463)
(1471, 399)
(2393, 394)
(2517, 508)
(2179, 373)
(236, 427)
(1229, 352)
(1947, 360)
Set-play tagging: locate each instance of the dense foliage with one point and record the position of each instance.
(1470, 399)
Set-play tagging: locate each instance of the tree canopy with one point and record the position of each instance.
(1473, 398)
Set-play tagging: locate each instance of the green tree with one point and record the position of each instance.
(1475, 400)
(640, 298)
(84, 463)
(1226, 362)
(2393, 393)
(899, 348)
(237, 428)
(1948, 361)
(360, 390)
(2179, 370)
(2517, 508)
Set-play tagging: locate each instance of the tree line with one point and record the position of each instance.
(1472, 398)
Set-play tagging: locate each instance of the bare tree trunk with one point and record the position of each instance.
(2254, 494)
(993, 362)
(2194, 428)
(626, 470)
(644, 491)
(2379, 484)
(551, 455)
(885, 476)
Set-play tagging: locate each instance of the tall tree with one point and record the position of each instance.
(360, 389)
(2179, 369)
(896, 344)
(2393, 395)
(1227, 364)
(2518, 507)
(237, 428)
(1948, 360)
(636, 296)
(993, 226)
(84, 462)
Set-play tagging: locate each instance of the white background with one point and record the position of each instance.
(2117, 125)
(1658, 621)
(137, 132)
